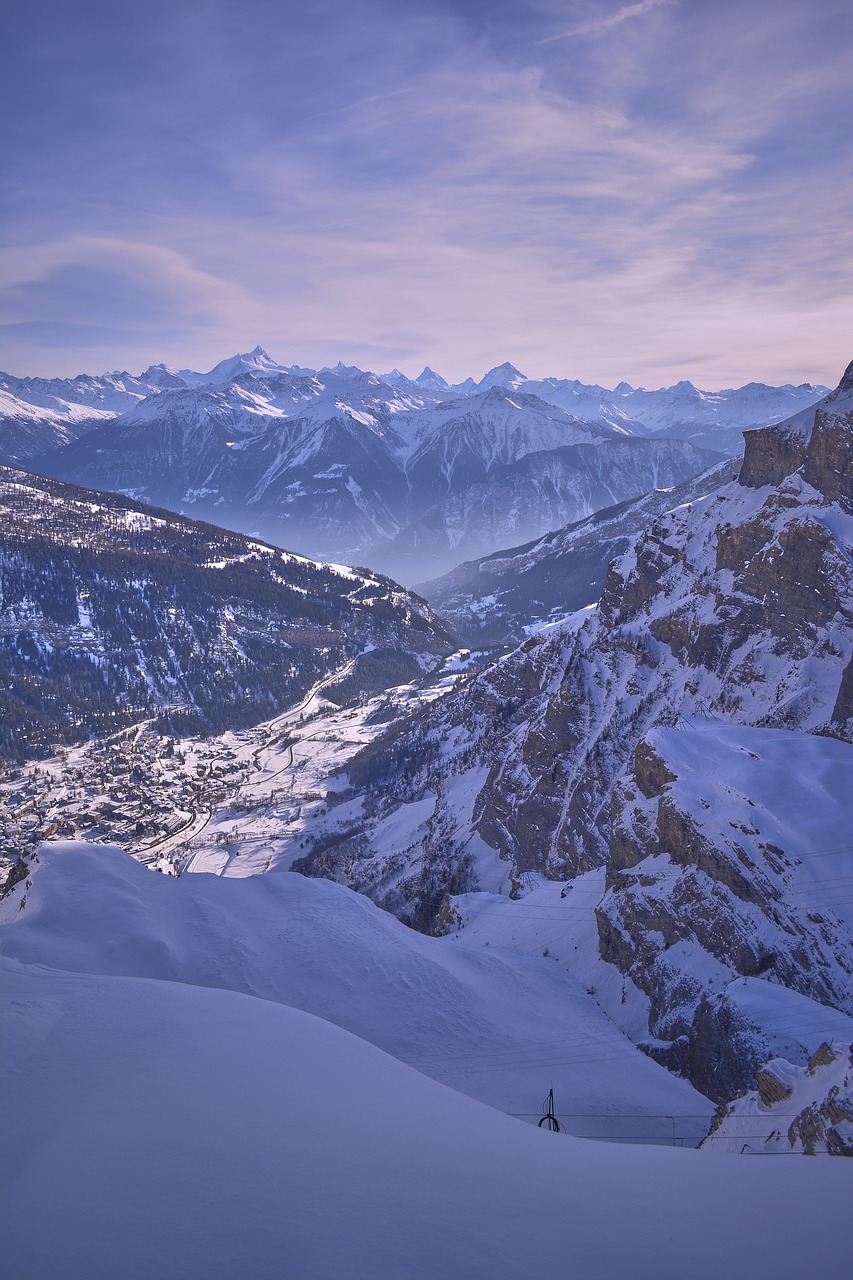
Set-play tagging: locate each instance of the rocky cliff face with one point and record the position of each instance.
(714, 874)
(818, 440)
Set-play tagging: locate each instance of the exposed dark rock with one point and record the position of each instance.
(829, 459)
(650, 771)
(724, 1050)
(771, 454)
(770, 1088)
(842, 712)
(823, 1055)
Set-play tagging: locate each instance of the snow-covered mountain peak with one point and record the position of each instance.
(162, 377)
(503, 375)
(255, 361)
(341, 370)
(394, 378)
(429, 378)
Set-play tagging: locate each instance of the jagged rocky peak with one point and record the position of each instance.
(818, 442)
(429, 378)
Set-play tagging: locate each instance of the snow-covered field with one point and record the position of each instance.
(282, 805)
(169, 1112)
(492, 1022)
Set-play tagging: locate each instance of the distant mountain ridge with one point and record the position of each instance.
(499, 600)
(410, 475)
(637, 409)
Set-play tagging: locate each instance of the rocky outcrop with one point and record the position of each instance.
(818, 442)
(829, 458)
(770, 1088)
(770, 455)
(699, 892)
(793, 1108)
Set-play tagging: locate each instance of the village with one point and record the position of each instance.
(259, 795)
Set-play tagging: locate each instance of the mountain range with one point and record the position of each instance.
(651, 791)
(408, 475)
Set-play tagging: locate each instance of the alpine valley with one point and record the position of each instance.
(324, 864)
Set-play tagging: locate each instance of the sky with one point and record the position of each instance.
(647, 191)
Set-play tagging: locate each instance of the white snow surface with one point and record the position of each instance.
(162, 1125)
(770, 787)
(493, 1023)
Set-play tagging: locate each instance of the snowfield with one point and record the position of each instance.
(164, 1125)
(493, 1023)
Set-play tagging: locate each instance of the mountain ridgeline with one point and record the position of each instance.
(111, 611)
(411, 476)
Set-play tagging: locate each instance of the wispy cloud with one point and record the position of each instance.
(354, 106)
(601, 25)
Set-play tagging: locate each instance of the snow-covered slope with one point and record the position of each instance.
(154, 1127)
(495, 1024)
(111, 612)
